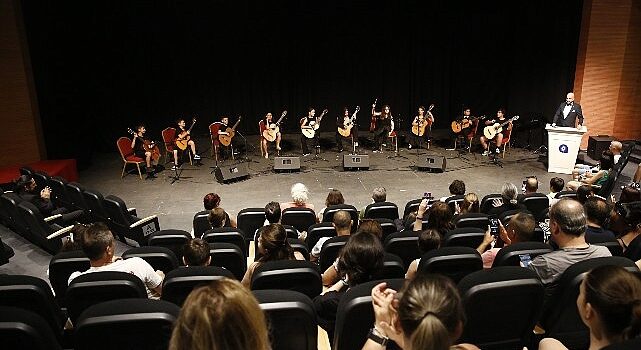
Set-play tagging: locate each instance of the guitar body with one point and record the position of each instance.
(225, 140)
(456, 127)
(419, 130)
(270, 133)
(183, 140)
(308, 131)
(490, 131)
(346, 130)
(150, 146)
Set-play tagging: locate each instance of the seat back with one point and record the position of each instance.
(514, 293)
(94, 200)
(6, 252)
(453, 262)
(330, 250)
(61, 266)
(201, 223)
(383, 210)
(213, 132)
(564, 194)
(41, 178)
(25, 170)
(138, 323)
(291, 231)
(393, 267)
(38, 228)
(227, 235)
(300, 218)
(404, 245)
(180, 282)
(388, 226)
(249, 220)
(124, 147)
(168, 136)
(486, 202)
(230, 257)
(173, 240)
(23, 329)
(116, 210)
(451, 201)
(612, 244)
(477, 220)
(291, 318)
(510, 255)
(464, 237)
(316, 231)
(630, 344)
(608, 186)
(299, 246)
(95, 287)
(355, 315)
(412, 206)
(9, 204)
(537, 203)
(59, 193)
(74, 193)
(507, 215)
(160, 258)
(328, 214)
(298, 275)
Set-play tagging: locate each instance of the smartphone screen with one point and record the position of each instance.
(525, 259)
(494, 227)
(427, 195)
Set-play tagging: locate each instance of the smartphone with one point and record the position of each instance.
(494, 227)
(524, 185)
(427, 195)
(526, 259)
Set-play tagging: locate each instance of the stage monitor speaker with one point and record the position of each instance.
(431, 163)
(230, 173)
(598, 144)
(355, 162)
(287, 164)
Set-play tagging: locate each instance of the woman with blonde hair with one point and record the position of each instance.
(470, 204)
(220, 315)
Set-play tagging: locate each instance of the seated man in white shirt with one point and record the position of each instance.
(98, 244)
(556, 185)
(342, 223)
(520, 229)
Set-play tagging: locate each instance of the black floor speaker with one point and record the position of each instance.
(431, 163)
(231, 173)
(355, 162)
(290, 164)
(598, 144)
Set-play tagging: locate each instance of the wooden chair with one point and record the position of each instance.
(215, 143)
(128, 156)
(168, 138)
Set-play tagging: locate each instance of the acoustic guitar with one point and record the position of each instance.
(148, 146)
(273, 129)
(459, 125)
(419, 130)
(225, 140)
(183, 138)
(309, 131)
(348, 124)
(490, 131)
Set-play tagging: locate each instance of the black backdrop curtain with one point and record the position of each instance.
(102, 66)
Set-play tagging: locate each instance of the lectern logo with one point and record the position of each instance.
(563, 148)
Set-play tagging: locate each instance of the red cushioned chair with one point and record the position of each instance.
(168, 138)
(128, 156)
(261, 128)
(506, 140)
(469, 136)
(215, 143)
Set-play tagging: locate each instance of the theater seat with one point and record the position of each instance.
(180, 282)
(160, 258)
(300, 218)
(510, 255)
(470, 237)
(382, 210)
(61, 266)
(330, 250)
(126, 224)
(230, 257)
(453, 262)
(297, 275)
(23, 329)
(405, 245)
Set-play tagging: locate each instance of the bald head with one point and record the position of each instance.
(568, 215)
(342, 221)
(531, 185)
(569, 98)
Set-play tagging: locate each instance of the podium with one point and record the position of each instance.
(563, 147)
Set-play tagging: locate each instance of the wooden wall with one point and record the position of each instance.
(608, 70)
(22, 140)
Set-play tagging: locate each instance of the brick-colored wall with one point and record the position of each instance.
(608, 69)
(22, 140)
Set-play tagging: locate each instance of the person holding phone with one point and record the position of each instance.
(520, 229)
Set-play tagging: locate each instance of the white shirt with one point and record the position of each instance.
(135, 266)
(566, 110)
(317, 247)
(616, 158)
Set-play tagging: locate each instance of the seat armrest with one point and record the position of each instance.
(132, 211)
(60, 232)
(53, 217)
(143, 221)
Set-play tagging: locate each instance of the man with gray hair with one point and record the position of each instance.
(567, 228)
(379, 195)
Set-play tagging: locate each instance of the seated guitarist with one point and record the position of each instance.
(500, 118)
(137, 144)
(467, 115)
(384, 126)
(181, 130)
(340, 123)
(225, 151)
(309, 120)
(421, 119)
(263, 141)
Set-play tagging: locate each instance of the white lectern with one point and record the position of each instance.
(563, 147)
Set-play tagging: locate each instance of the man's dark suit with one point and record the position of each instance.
(570, 121)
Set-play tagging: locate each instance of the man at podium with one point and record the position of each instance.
(568, 112)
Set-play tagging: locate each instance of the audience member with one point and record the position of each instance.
(429, 315)
(359, 261)
(637, 174)
(630, 216)
(508, 200)
(73, 243)
(98, 245)
(556, 185)
(217, 218)
(300, 196)
(334, 197)
(630, 194)
(427, 240)
(272, 246)
(470, 204)
(26, 189)
(272, 213)
(531, 186)
(220, 315)
(597, 213)
(583, 193)
(609, 304)
(439, 217)
(520, 229)
(211, 201)
(457, 188)
(567, 228)
(196, 253)
(596, 179)
(615, 148)
(379, 195)
(342, 222)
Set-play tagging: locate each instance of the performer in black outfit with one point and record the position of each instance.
(137, 144)
(26, 189)
(309, 120)
(425, 119)
(568, 112)
(384, 126)
(340, 123)
(467, 114)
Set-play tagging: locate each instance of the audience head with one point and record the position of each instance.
(439, 217)
(217, 217)
(272, 212)
(25, 183)
(273, 244)
(607, 160)
(531, 185)
(509, 192)
(300, 194)
(632, 217)
(597, 211)
(379, 195)
(470, 203)
(97, 242)
(457, 188)
(428, 240)
(630, 194)
(211, 201)
(430, 313)
(212, 316)
(196, 253)
(73, 243)
(609, 303)
(520, 228)
(372, 227)
(361, 258)
(334, 197)
(615, 147)
(584, 192)
(567, 217)
(342, 222)
(556, 184)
